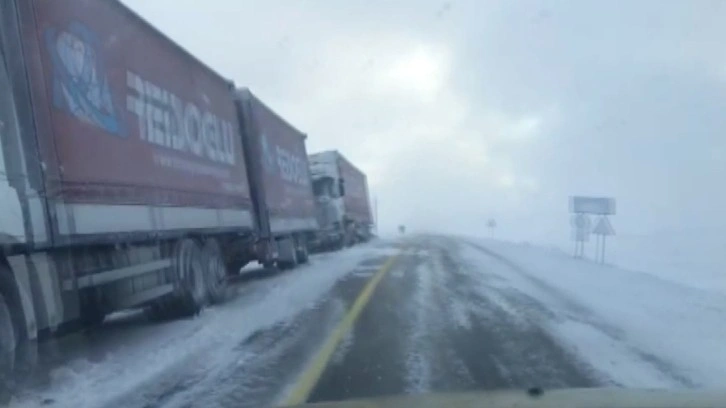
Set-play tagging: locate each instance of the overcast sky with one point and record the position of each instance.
(464, 110)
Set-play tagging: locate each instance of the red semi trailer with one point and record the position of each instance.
(279, 178)
(128, 175)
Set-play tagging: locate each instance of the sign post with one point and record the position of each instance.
(582, 207)
(602, 230)
(581, 225)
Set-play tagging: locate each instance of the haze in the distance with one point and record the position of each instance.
(464, 110)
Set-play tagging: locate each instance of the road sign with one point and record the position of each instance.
(602, 230)
(592, 205)
(581, 206)
(582, 235)
(581, 221)
(580, 232)
(603, 227)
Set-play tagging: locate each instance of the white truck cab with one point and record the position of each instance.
(329, 190)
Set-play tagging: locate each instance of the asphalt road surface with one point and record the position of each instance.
(418, 335)
(414, 319)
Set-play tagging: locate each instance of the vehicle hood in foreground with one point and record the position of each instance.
(580, 398)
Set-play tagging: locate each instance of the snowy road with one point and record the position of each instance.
(438, 325)
(449, 314)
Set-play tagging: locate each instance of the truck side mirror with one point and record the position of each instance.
(341, 187)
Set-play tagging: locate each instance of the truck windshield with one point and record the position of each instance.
(322, 187)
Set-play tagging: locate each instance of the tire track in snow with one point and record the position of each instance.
(437, 315)
(505, 346)
(434, 326)
(418, 366)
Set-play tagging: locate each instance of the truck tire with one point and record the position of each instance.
(287, 265)
(26, 360)
(215, 272)
(233, 268)
(8, 343)
(303, 254)
(92, 314)
(189, 274)
(162, 309)
(291, 261)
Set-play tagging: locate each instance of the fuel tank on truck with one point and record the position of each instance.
(278, 167)
(135, 134)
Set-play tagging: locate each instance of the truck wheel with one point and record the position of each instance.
(161, 309)
(26, 360)
(303, 255)
(295, 261)
(291, 261)
(285, 265)
(235, 266)
(7, 352)
(167, 308)
(189, 270)
(215, 272)
(93, 314)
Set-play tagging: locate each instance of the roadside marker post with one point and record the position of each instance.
(581, 232)
(602, 230)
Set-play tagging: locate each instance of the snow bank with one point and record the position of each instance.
(145, 353)
(692, 258)
(638, 329)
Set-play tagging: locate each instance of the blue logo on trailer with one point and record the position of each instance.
(80, 86)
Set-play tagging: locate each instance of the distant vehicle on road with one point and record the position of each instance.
(343, 203)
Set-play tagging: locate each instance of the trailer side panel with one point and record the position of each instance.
(139, 135)
(281, 163)
(356, 199)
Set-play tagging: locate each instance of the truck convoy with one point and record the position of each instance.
(341, 191)
(132, 175)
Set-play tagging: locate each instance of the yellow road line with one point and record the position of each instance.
(309, 378)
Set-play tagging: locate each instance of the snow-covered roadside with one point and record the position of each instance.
(189, 344)
(635, 328)
(691, 258)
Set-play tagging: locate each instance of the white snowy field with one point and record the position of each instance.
(146, 351)
(634, 328)
(694, 258)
